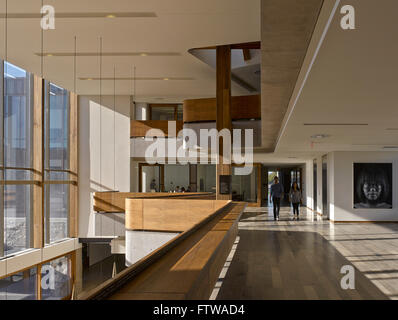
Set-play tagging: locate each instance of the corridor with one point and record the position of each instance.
(302, 259)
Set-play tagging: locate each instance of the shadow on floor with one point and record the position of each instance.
(290, 265)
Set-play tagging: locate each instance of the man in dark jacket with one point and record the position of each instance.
(276, 195)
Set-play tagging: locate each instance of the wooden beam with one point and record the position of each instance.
(38, 138)
(223, 112)
(246, 54)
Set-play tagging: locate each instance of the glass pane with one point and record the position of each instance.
(206, 178)
(179, 112)
(244, 188)
(56, 279)
(150, 179)
(56, 210)
(20, 286)
(17, 116)
(57, 176)
(17, 218)
(176, 177)
(162, 113)
(57, 128)
(11, 174)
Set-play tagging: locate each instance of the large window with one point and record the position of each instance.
(20, 286)
(16, 160)
(167, 112)
(56, 283)
(57, 173)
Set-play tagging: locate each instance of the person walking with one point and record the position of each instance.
(295, 199)
(276, 195)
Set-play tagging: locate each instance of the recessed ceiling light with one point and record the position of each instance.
(49, 55)
(165, 79)
(319, 136)
(111, 16)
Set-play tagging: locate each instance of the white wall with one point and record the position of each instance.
(341, 193)
(309, 185)
(104, 152)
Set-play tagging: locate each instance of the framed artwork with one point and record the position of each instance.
(373, 185)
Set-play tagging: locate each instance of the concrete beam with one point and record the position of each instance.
(286, 30)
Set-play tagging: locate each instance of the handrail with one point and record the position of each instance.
(110, 286)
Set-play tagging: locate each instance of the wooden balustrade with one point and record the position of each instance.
(186, 267)
(204, 110)
(173, 215)
(111, 202)
(140, 128)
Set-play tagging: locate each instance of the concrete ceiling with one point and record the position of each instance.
(286, 30)
(350, 95)
(179, 25)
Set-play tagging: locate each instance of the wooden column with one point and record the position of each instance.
(73, 167)
(38, 165)
(223, 119)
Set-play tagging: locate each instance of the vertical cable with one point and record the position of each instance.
(2, 137)
(114, 128)
(114, 271)
(44, 209)
(100, 130)
(74, 66)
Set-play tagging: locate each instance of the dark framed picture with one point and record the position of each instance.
(373, 185)
(225, 184)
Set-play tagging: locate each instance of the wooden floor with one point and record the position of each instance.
(302, 259)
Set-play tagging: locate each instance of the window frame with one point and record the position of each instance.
(29, 82)
(47, 170)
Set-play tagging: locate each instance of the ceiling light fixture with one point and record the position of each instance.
(111, 16)
(319, 136)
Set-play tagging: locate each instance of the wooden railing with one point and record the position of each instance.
(171, 215)
(140, 128)
(204, 110)
(186, 267)
(110, 202)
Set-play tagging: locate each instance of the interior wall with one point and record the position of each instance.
(104, 152)
(134, 172)
(342, 192)
(309, 185)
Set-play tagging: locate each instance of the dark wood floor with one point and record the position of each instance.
(284, 264)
